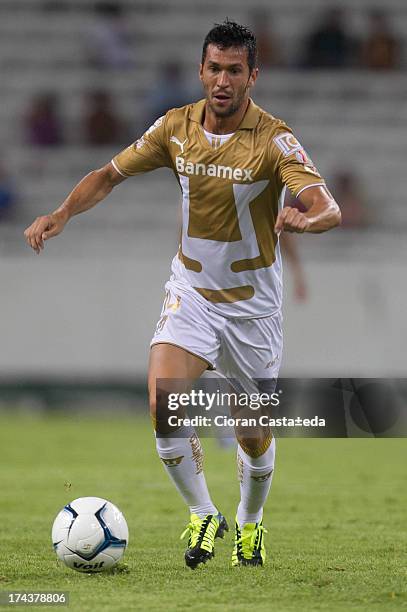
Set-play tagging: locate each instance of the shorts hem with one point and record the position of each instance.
(210, 365)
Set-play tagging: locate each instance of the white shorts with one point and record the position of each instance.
(243, 350)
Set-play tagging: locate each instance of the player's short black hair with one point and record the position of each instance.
(231, 34)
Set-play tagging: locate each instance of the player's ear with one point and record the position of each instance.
(253, 77)
(201, 71)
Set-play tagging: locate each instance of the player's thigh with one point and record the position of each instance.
(251, 353)
(251, 359)
(172, 371)
(171, 366)
(184, 345)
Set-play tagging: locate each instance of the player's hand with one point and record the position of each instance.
(292, 220)
(44, 228)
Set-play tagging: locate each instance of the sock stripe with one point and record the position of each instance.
(258, 451)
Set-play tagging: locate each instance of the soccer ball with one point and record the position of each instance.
(90, 534)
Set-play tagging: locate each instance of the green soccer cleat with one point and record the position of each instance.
(202, 534)
(249, 546)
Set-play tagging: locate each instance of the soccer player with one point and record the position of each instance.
(222, 309)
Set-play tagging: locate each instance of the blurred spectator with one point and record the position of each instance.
(169, 91)
(43, 125)
(330, 45)
(108, 38)
(381, 49)
(268, 51)
(347, 192)
(101, 124)
(8, 195)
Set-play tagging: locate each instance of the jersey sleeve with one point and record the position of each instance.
(148, 152)
(292, 163)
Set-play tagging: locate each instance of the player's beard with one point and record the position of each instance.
(239, 99)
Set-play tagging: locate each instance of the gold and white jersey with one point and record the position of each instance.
(229, 255)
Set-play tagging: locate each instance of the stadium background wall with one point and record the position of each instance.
(95, 318)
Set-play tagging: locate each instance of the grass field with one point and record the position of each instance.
(336, 519)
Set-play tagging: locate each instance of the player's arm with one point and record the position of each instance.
(322, 213)
(93, 188)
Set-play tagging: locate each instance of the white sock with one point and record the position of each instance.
(182, 457)
(255, 476)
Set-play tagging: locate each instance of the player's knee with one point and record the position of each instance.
(159, 411)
